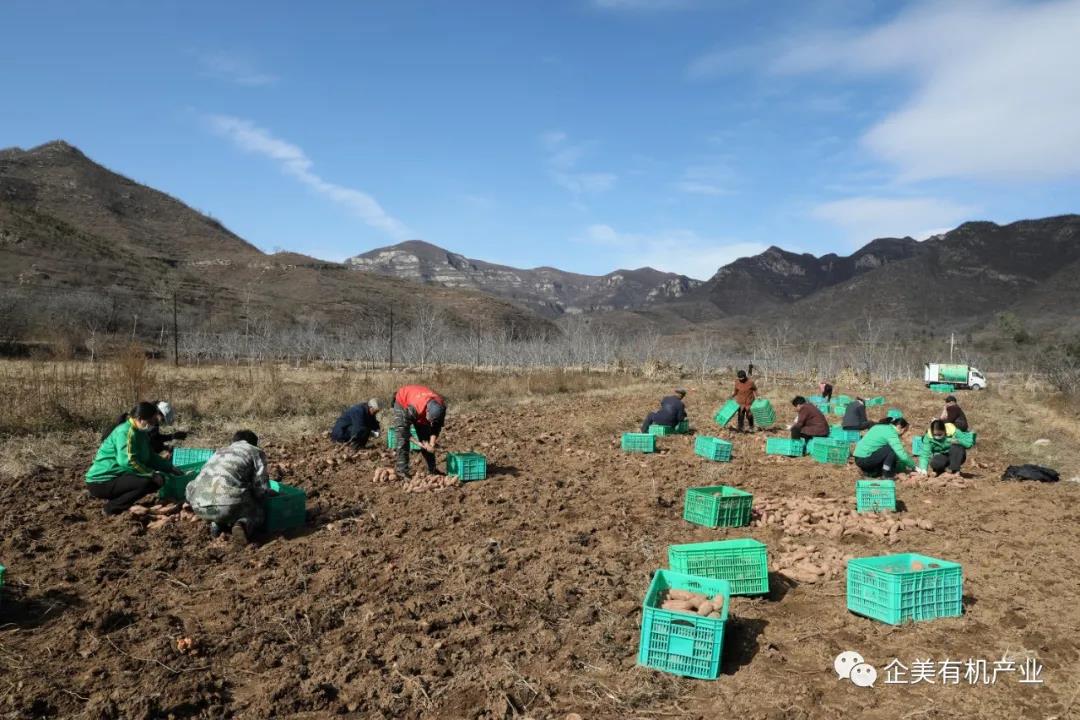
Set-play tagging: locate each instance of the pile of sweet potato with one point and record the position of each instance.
(693, 603)
(384, 475)
(941, 482)
(811, 564)
(425, 483)
(830, 517)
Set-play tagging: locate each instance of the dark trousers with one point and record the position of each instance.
(657, 418)
(402, 438)
(800, 435)
(881, 463)
(745, 415)
(951, 461)
(359, 440)
(866, 425)
(121, 492)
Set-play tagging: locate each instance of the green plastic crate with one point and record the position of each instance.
(824, 407)
(729, 410)
(843, 399)
(744, 563)
(677, 642)
(287, 509)
(967, 439)
(718, 506)
(391, 439)
(682, 428)
(836, 432)
(712, 448)
(875, 495)
(916, 444)
(175, 486)
(875, 401)
(816, 399)
(763, 412)
(942, 387)
(190, 456)
(785, 446)
(639, 442)
(827, 450)
(466, 466)
(838, 409)
(895, 413)
(887, 589)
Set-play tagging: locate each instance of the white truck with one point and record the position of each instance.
(962, 376)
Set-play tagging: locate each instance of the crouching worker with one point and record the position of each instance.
(809, 422)
(231, 489)
(416, 406)
(940, 451)
(357, 424)
(671, 412)
(125, 468)
(855, 416)
(880, 452)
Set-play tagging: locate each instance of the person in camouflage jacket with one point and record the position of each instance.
(231, 488)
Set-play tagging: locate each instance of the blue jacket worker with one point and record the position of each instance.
(671, 412)
(357, 424)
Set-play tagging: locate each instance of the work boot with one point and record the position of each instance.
(239, 534)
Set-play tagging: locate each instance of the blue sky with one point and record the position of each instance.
(584, 134)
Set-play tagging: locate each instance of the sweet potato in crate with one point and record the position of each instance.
(677, 642)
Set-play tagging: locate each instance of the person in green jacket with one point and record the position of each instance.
(880, 453)
(941, 452)
(125, 467)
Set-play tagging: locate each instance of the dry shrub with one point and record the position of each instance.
(133, 376)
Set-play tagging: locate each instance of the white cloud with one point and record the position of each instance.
(866, 218)
(678, 251)
(235, 69)
(297, 164)
(711, 179)
(562, 161)
(996, 93)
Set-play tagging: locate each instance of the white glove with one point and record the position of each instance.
(375, 433)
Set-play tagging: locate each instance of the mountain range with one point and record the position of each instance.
(80, 237)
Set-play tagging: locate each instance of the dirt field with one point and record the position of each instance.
(520, 596)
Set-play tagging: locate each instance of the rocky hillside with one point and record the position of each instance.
(77, 239)
(546, 290)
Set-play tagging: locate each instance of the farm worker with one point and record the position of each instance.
(671, 412)
(855, 416)
(416, 406)
(941, 451)
(166, 416)
(880, 452)
(231, 489)
(826, 390)
(125, 468)
(357, 424)
(745, 393)
(809, 422)
(953, 414)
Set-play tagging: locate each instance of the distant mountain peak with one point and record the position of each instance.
(548, 290)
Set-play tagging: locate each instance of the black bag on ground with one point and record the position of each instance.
(1030, 472)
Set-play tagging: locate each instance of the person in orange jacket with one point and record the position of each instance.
(416, 406)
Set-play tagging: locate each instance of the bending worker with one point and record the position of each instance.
(416, 406)
(357, 424)
(671, 412)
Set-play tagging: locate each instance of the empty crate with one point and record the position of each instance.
(875, 495)
(904, 588)
(719, 506)
(744, 563)
(712, 448)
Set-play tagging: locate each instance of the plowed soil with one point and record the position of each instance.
(520, 595)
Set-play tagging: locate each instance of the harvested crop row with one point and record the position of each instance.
(829, 517)
(810, 563)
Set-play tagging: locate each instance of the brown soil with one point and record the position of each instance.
(518, 596)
